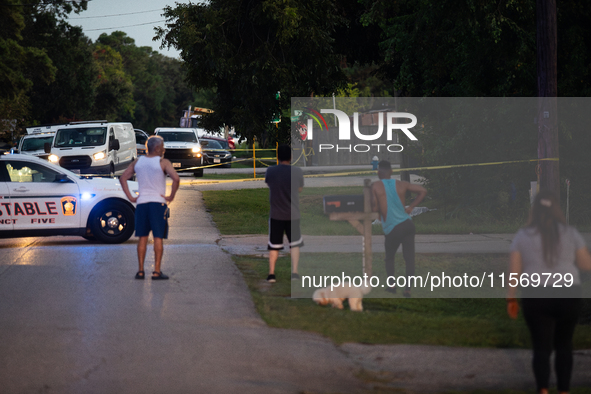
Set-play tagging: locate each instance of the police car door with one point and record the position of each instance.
(5, 211)
(39, 200)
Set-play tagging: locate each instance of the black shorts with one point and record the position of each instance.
(291, 228)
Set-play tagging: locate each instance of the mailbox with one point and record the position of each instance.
(343, 203)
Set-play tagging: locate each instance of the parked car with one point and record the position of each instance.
(215, 152)
(223, 142)
(226, 143)
(182, 148)
(34, 144)
(140, 141)
(43, 199)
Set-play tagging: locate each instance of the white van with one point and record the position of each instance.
(33, 143)
(96, 147)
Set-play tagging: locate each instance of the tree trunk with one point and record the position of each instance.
(549, 175)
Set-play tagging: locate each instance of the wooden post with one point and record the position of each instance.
(547, 44)
(367, 252)
(362, 221)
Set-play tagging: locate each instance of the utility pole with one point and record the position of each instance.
(546, 37)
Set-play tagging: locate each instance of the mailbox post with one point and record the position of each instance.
(362, 222)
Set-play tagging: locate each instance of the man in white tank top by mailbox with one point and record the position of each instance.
(151, 214)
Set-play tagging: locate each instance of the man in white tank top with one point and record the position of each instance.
(151, 212)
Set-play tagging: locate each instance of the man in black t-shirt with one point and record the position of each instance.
(285, 183)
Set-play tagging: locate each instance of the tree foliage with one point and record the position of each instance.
(19, 64)
(159, 90)
(478, 48)
(50, 72)
(71, 95)
(250, 50)
(457, 47)
(115, 90)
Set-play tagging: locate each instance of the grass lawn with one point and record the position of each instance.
(473, 322)
(247, 211)
(441, 321)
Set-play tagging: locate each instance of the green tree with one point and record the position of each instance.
(19, 64)
(71, 94)
(249, 51)
(179, 94)
(478, 48)
(26, 66)
(115, 89)
(457, 47)
(159, 90)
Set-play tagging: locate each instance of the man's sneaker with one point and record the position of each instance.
(271, 279)
(295, 276)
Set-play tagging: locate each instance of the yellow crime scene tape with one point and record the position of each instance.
(431, 168)
(248, 150)
(194, 182)
(371, 172)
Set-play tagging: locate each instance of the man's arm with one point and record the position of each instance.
(127, 175)
(418, 189)
(374, 199)
(379, 201)
(171, 172)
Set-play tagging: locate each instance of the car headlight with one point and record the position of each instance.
(196, 149)
(53, 158)
(99, 155)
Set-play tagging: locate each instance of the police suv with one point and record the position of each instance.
(38, 198)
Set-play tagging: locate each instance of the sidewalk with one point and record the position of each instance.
(434, 243)
(424, 243)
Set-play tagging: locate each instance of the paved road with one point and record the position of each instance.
(73, 320)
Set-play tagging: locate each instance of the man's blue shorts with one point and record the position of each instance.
(151, 216)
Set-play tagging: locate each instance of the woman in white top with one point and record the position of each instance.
(547, 248)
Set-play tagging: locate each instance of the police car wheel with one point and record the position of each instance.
(198, 173)
(112, 222)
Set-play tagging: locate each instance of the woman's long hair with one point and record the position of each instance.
(545, 217)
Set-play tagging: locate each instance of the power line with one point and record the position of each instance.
(107, 16)
(121, 27)
(34, 5)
